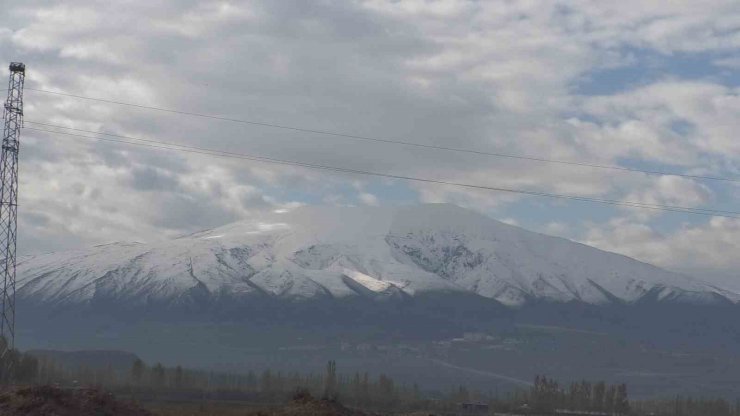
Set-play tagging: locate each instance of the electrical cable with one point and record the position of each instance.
(390, 141)
(218, 153)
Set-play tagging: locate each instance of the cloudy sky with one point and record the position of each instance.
(639, 84)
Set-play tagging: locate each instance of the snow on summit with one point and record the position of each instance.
(371, 252)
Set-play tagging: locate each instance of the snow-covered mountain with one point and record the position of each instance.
(335, 253)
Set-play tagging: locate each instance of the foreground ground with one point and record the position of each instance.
(301, 407)
(53, 401)
(48, 401)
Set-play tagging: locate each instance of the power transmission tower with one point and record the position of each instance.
(13, 119)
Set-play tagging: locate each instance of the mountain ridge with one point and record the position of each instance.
(368, 252)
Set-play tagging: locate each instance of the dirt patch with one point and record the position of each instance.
(305, 405)
(54, 401)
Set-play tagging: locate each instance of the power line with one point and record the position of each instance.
(218, 153)
(390, 141)
(240, 155)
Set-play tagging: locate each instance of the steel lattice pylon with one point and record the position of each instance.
(13, 119)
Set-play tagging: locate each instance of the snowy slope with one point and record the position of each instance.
(377, 253)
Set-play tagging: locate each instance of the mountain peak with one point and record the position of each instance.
(338, 252)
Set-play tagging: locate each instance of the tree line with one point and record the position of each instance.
(16, 366)
(359, 389)
(547, 396)
(141, 380)
(688, 406)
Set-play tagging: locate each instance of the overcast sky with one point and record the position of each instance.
(650, 85)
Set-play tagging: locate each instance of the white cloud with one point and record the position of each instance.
(510, 221)
(556, 228)
(731, 63)
(368, 199)
(642, 122)
(668, 190)
(204, 19)
(709, 246)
